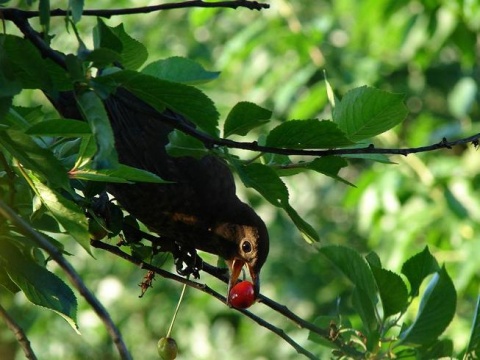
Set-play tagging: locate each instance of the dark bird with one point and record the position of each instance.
(199, 208)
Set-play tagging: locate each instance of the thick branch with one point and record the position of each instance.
(107, 13)
(19, 334)
(71, 274)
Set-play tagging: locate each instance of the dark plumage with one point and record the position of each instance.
(199, 208)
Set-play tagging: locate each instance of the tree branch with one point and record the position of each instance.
(206, 289)
(108, 13)
(211, 142)
(19, 334)
(20, 19)
(71, 274)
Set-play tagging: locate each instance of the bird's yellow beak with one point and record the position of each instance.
(236, 266)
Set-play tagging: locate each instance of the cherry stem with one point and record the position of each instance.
(176, 310)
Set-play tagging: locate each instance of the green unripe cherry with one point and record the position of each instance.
(167, 348)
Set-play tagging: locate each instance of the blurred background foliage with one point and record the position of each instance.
(428, 50)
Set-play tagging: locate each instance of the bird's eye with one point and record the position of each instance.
(246, 247)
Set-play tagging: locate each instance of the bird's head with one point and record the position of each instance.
(251, 244)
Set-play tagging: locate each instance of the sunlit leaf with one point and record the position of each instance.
(180, 69)
(39, 285)
(133, 53)
(365, 112)
(65, 211)
(307, 134)
(356, 269)
(392, 289)
(266, 181)
(121, 174)
(88, 148)
(436, 311)
(244, 117)
(417, 268)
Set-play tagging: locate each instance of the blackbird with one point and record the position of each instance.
(199, 208)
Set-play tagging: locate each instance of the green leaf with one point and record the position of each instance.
(244, 117)
(134, 53)
(326, 165)
(105, 37)
(436, 311)
(417, 268)
(24, 63)
(103, 57)
(39, 285)
(65, 211)
(455, 205)
(365, 112)
(44, 10)
(88, 148)
(121, 174)
(307, 134)
(308, 232)
(5, 104)
(94, 112)
(474, 342)
(33, 157)
(21, 118)
(266, 181)
(60, 127)
(392, 289)
(160, 94)
(5, 280)
(76, 7)
(181, 144)
(356, 269)
(373, 157)
(180, 69)
(330, 166)
(442, 349)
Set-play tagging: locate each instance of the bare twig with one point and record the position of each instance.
(206, 289)
(19, 334)
(71, 274)
(107, 13)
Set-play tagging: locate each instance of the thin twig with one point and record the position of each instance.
(71, 274)
(108, 13)
(206, 289)
(19, 334)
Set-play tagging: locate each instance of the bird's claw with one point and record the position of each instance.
(187, 261)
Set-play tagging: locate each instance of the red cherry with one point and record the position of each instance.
(242, 295)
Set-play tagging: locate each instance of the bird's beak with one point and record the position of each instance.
(236, 266)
